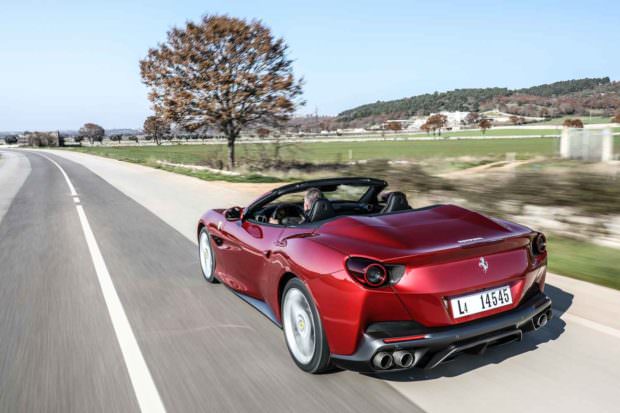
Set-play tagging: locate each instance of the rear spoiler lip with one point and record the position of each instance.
(453, 248)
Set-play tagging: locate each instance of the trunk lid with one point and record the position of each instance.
(442, 248)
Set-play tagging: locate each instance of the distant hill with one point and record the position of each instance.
(569, 97)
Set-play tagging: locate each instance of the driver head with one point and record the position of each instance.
(310, 198)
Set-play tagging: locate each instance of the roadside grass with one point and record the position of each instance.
(420, 150)
(584, 261)
(503, 132)
(324, 152)
(516, 131)
(210, 176)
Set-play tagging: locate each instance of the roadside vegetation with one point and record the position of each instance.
(587, 120)
(213, 176)
(329, 152)
(586, 195)
(585, 261)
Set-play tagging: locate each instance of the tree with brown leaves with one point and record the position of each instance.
(394, 126)
(484, 124)
(156, 128)
(92, 132)
(223, 72)
(263, 132)
(436, 122)
(573, 123)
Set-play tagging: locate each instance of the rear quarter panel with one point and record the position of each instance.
(345, 307)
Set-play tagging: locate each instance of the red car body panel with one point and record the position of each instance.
(440, 248)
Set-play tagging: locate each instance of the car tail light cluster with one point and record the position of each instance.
(372, 273)
(539, 244)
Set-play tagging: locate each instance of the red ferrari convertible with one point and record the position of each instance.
(359, 279)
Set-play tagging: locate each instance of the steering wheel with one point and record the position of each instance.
(283, 211)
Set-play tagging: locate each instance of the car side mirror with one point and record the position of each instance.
(233, 214)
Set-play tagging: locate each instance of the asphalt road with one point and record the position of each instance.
(61, 347)
(206, 349)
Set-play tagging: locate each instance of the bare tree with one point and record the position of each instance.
(92, 132)
(472, 117)
(223, 72)
(156, 128)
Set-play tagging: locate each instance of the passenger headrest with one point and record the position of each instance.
(397, 201)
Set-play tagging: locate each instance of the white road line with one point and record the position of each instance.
(144, 387)
(62, 171)
(601, 328)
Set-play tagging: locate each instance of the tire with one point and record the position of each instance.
(206, 256)
(307, 346)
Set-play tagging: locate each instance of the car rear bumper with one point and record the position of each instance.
(432, 346)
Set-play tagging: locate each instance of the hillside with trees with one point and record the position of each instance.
(570, 97)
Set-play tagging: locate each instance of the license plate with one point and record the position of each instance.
(479, 302)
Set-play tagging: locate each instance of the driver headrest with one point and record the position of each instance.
(322, 209)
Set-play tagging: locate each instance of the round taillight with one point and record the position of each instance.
(540, 244)
(375, 275)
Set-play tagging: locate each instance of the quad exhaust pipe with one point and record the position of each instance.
(383, 360)
(403, 359)
(541, 320)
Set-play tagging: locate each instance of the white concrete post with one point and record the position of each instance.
(564, 144)
(608, 146)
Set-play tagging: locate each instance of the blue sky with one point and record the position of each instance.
(64, 63)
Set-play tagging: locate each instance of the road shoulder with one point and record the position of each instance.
(14, 169)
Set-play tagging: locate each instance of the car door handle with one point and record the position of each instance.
(280, 243)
